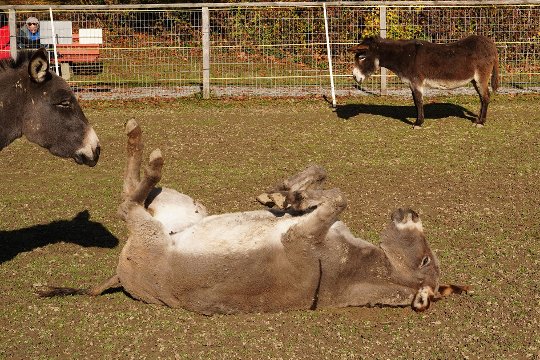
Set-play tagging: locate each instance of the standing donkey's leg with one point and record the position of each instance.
(419, 103)
(481, 86)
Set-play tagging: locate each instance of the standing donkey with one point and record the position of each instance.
(40, 105)
(422, 64)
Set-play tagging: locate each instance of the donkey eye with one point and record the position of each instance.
(64, 104)
(425, 261)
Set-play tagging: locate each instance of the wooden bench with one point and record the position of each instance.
(82, 58)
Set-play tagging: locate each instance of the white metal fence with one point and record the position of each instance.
(268, 48)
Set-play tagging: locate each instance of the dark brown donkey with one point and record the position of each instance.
(40, 105)
(422, 64)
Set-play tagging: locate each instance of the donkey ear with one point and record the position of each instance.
(358, 48)
(38, 68)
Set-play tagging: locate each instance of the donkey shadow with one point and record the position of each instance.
(405, 114)
(79, 230)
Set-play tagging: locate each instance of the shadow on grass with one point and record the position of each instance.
(79, 230)
(406, 114)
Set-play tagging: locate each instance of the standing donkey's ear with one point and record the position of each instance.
(38, 68)
(358, 48)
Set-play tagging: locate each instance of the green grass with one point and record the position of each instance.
(476, 190)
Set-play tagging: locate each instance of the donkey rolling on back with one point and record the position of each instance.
(40, 105)
(422, 64)
(296, 256)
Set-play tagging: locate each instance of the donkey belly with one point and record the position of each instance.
(236, 263)
(233, 234)
(446, 84)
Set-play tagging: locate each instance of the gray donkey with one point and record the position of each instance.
(297, 255)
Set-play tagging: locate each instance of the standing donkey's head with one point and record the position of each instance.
(366, 60)
(40, 105)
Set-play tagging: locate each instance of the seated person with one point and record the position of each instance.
(29, 37)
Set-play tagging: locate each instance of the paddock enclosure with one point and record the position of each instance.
(267, 48)
(476, 191)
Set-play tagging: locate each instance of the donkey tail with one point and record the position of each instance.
(495, 75)
(45, 291)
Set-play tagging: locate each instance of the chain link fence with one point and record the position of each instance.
(268, 49)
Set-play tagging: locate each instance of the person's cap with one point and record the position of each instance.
(32, 20)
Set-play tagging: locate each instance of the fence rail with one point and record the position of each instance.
(271, 48)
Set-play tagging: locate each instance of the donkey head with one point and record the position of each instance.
(366, 60)
(413, 263)
(52, 117)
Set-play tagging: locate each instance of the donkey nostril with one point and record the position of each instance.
(97, 152)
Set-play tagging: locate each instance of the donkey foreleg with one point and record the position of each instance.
(313, 227)
(311, 178)
(419, 103)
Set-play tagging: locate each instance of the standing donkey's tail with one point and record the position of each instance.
(495, 74)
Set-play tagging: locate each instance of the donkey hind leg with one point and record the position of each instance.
(417, 95)
(134, 151)
(135, 190)
(50, 291)
(481, 86)
(152, 175)
(311, 178)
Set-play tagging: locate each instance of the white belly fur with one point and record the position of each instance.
(445, 84)
(233, 233)
(176, 211)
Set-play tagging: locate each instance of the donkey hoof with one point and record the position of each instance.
(406, 219)
(156, 158)
(265, 200)
(279, 199)
(404, 215)
(478, 125)
(131, 126)
(417, 127)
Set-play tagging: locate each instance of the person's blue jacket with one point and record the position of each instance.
(27, 40)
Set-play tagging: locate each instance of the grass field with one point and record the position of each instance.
(476, 190)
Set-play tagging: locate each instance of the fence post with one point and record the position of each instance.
(329, 54)
(382, 21)
(12, 34)
(54, 43)
(206, 52)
